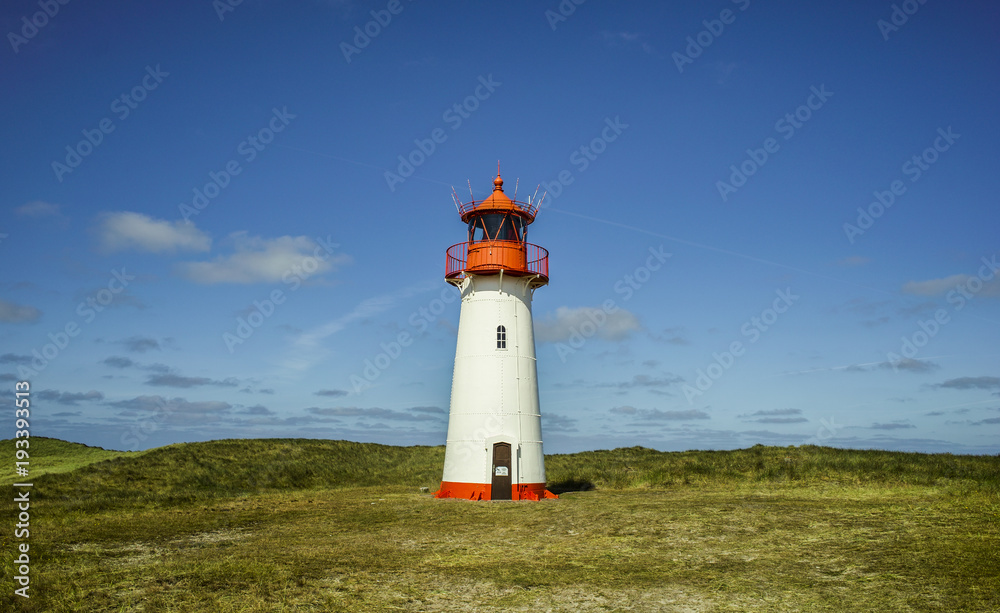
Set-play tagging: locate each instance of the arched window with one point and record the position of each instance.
(501, 337)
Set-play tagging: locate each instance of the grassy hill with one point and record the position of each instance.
(314, 525)
(190, 472)
(51, 455)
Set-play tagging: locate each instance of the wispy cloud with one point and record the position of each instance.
(307, 348)
(776, 416)
(619, 37)
(170, 405)
(126, 230)
(172, 380)
(70, 398)
(639, 381)
(375, 412)
(891, 426)
(567, 323)
(259, 260)
(433, 410)
(911, 365)
(937, 287)
(257, 409)
(968, 383)
(670, 336)
(854, 260)
(38, 208)
(13, 358)
(658, 415)
(140, 344)
(118, 361)
(13, 313)
(560, 423)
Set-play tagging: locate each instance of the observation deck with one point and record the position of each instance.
(513, 257)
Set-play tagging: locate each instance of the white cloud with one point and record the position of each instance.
(127, 230)
(619, 37)
(259, 260)
(38, 208)
(969, 284)
(17, 313)
(656, 414)
(933, 287)
(180, 405)
(566, 322)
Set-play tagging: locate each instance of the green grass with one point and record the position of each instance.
(307, 525)
(51, 455)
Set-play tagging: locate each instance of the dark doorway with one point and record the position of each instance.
(501, 472)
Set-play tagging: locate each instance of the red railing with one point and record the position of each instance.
(513, 257)
(528, 209)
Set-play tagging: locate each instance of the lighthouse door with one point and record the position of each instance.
(500, 489)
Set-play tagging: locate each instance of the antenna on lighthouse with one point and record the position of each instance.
(470, 189)
(545, 193)
(454, 198)
(516, 182)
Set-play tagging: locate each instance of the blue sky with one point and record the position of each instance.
(767, 222)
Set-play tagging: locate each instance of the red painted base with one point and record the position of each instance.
(483, 491)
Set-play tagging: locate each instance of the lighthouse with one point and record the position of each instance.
(494, 448)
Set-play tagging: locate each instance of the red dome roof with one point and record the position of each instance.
(498, 201)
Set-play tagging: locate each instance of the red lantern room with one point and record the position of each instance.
(498, 226)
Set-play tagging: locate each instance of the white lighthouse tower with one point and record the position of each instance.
(494, 449)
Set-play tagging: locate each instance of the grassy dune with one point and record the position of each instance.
(51, 455)
(308, 525)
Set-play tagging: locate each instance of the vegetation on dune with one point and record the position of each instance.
(639, 467)
(312, 525)
(51, 455)
(189, 472)
(77, 476)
